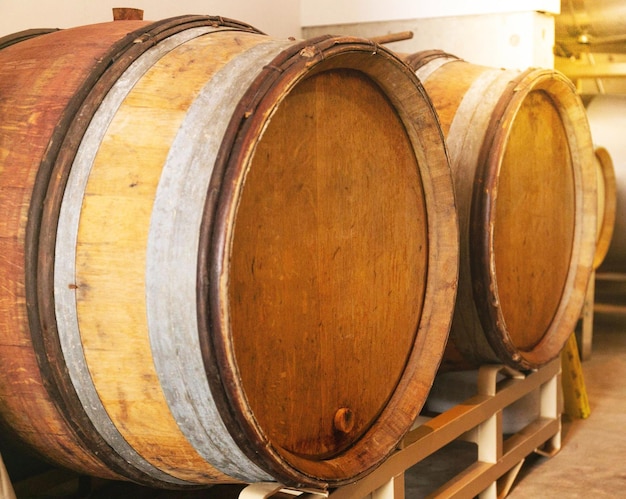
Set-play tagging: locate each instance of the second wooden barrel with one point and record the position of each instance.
(607, 203)
(522, 162)
(225, 257)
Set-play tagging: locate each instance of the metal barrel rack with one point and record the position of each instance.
(478, 420)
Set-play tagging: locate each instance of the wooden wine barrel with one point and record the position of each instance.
(522, 162)
(607, 203)
(607, 121)
(226, 257)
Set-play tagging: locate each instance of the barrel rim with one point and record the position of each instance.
(43, 218)
(418, 60)
(21, 36)
(485, 288)
(610, 207)
(253, 111)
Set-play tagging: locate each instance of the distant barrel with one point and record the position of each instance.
(522, 162)
(607, 121)
(225, 257)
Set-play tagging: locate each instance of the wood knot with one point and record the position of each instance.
(344, 420)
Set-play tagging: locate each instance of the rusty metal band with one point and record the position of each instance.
(171, 262)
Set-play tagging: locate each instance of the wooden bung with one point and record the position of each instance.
(344, 420)
(226, 257)
(127, 14)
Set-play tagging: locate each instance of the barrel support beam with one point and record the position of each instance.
(478, 420)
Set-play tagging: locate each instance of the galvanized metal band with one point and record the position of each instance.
(172, 258)
(65, 263)
(428, 69)
(465, 140)
(472, 117)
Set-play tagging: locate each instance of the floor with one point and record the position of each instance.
(592, 459)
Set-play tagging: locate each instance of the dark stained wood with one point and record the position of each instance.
(30, 112)
(329, 263)
(21, 36)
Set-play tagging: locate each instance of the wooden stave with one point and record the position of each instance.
(207, 469)
(40, 358)
(206, 472)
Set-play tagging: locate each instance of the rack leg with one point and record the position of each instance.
(261, 490)
(490, 492)
(586, 335)
(505, 483)
(266, 490)
(393, 489)
(6, 489)
(490, 449)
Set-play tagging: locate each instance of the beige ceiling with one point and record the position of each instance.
(591, 45)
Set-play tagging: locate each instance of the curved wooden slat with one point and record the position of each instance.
(65, 436)
(29, 117)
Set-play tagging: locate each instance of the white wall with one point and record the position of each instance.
(516, 40)
(501, 33)
(277, 18)
(325, 12)
(507, 33)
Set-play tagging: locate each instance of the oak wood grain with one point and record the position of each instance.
(329, 263)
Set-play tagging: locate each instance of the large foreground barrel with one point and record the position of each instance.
(225, 257)
(522, 162)
(607, 203)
